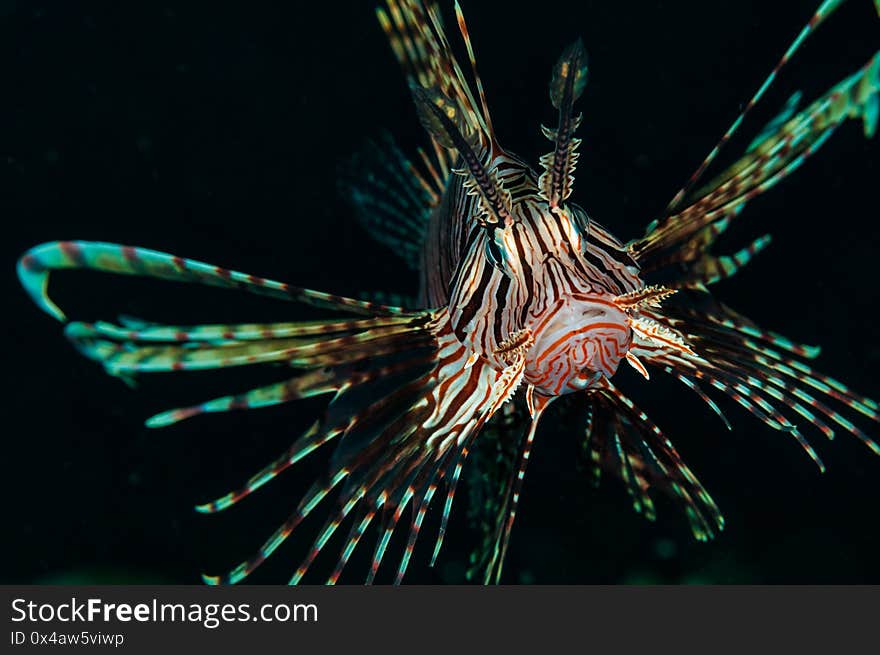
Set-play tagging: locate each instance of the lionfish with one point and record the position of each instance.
(524, 299)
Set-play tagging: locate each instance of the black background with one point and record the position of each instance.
(214, 131)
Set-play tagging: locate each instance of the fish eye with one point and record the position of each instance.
(496, 249)
(493, 253)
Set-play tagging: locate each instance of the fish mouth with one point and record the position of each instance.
(581, 339)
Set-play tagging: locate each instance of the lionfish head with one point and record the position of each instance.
(533, 285)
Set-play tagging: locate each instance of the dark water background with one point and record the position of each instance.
(214, 131)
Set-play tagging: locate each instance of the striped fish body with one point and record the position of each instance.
(520, 289)
(523, 299)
